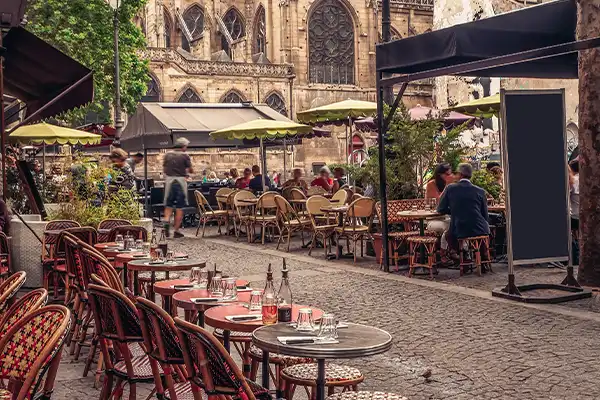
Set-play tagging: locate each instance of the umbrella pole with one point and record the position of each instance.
(284, 161)
(351, 144)
(263, 164)
(146, 191)
(346, 149)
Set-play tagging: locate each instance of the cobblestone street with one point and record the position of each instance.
(477, 347)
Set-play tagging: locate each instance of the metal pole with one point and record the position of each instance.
(382, 178)
(2, 133)
(386, 35)
(118, 119)
(263, 164)
(146, 189)
(284, 176)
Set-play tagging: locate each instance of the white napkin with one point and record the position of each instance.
(317, 340)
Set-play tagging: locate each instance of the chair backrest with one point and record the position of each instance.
(73, 260)
(222, 195)
(32, 301)
(159, 332)
(5, 253)
(202, 203)
(315, 203)
(95, 263)
(395, 206)
(340, 197)
(138, 232)
(315, 190)
(285, 211)
(355, 196)
(9, 288)
(266, 201)
(59, 225)
(297, 194)
(241, 195)
(208, 364)
(362, 207)
(223, 192)
(49, 241)
(86, 234)
(31, 345)
(286, 193)
(115, 316)
(113, 223)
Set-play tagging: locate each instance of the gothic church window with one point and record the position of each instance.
(234, 23)
(194, 20)
(168, 29)
(260, 32)
(331, 44)
(189, 96)
(152, 93)
(275, 101)
(232, 97)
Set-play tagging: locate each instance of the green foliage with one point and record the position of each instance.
(487, 181)
(83, 29)
(413, 148)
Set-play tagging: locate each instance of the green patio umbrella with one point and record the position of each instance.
(486, 107)
(262, 129)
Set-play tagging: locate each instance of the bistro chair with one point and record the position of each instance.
(231, 213)
(244, 212)
(340, 197)
(397, 239)
(105, 226)
(297, 194)
(210, 367)
(422, 246)
(265, 213)
(322, 227)
(207, 214)
(305, 375)
(52, 262)
(279, 361)
(473, 246)
(30, 349)
(138, 232)
(162, 345)
(78, 300)
(353, 228)
(116, 322)
(289, 221)
(32, 301)
(85, 234)
(221, 195)
(315, 190)
(9, 289)
(5, 257)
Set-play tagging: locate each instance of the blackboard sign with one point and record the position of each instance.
(536, 177)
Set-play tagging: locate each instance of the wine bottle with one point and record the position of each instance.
(162, 243)
(284, 297)
(153, 244)
(269, 301)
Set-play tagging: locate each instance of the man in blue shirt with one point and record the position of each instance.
(256, 183)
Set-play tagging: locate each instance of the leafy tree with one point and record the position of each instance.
(83, 29)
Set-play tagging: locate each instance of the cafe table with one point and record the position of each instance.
(421, 215)
(147, 265)
(216, 317)
(497, 208)
(341, 210)
(354, 341)
(166, 290)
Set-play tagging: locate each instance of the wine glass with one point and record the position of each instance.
(119, 241)
(216, 286)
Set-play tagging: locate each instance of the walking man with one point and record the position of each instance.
(177, 165)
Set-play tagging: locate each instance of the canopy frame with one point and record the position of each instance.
(457, 68)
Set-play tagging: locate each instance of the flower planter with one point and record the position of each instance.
(377, 246)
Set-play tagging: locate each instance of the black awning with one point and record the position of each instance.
(545, 25)
(35, 73)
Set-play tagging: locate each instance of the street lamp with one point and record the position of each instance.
(115, 4)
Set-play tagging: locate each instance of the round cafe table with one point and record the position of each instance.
(123, 258)
(215, 317)
(184, 298)
(354, 341)
(166, 290)
(421, 215)
(146, 265)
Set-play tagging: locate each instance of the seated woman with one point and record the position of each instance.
(338, 179)
(442, 176)
(296, 181)
(323, 180)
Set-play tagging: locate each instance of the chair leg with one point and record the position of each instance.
(289, 239)
(312, 243)
(203, 226)
(132, 391)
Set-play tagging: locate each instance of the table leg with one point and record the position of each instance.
(125, 275)
(422, 233)
(320, 379)
(226, 340)
(201, 319)
(265, 370)
(136, 283)
(166, 303)
(151, 288)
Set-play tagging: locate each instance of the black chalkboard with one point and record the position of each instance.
(537, 198)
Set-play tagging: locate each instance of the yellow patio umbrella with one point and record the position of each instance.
(262, 129)
(486, 107)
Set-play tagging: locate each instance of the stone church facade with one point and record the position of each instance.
(290, 54)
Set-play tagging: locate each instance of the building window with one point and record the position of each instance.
(194, 20)
(316, 167)
(189, 96)
(275, 101)
(152, 93)
(168, 26)
(260, 32)
(232, 97)
(234, 23)
(331, 44)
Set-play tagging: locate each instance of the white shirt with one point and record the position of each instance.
(574, 197)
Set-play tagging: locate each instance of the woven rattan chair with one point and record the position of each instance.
(9, 289)
(340, 197)
(116, 322)
(244, 212)
(53, 261)
(162, 344)
(398, 241)
(79, 303)
(289, 221)
(315, 190)
(474, 246)
(5, 257)
(265, 215)
(297, 194)
(210, 367)
(422, 246)
(357, 224)
(207, 214)
(30, 350)
(32, 301)
(85, 234)
(322, 227)
(106, 225)
(305, 375)
(138, 232)
(221, 195)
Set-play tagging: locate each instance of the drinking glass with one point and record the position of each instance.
(230, 289)
(146, 248)
(427, 205)
(159, 256)
(216, 286)
(328, 328)
(255, 301)
(433, 203)
(119, 241)
(129, 242)
(170, 255)
(414, 208)
(195, 276)
(305, 321)
(139, 245)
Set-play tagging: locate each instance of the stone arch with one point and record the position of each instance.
(232, 96)
(194, 17)
(276, 101)
(188, 94)
(236, 26)
(153, 91)
(331, 43)
(259, 31)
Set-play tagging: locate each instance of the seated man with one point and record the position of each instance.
(467, 206)
(256, 183)
(296, 181)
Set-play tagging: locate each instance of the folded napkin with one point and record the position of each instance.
(244, 289)
(244, 318)
(291, 340)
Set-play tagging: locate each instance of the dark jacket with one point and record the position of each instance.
(256, 183)
(467, 206)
